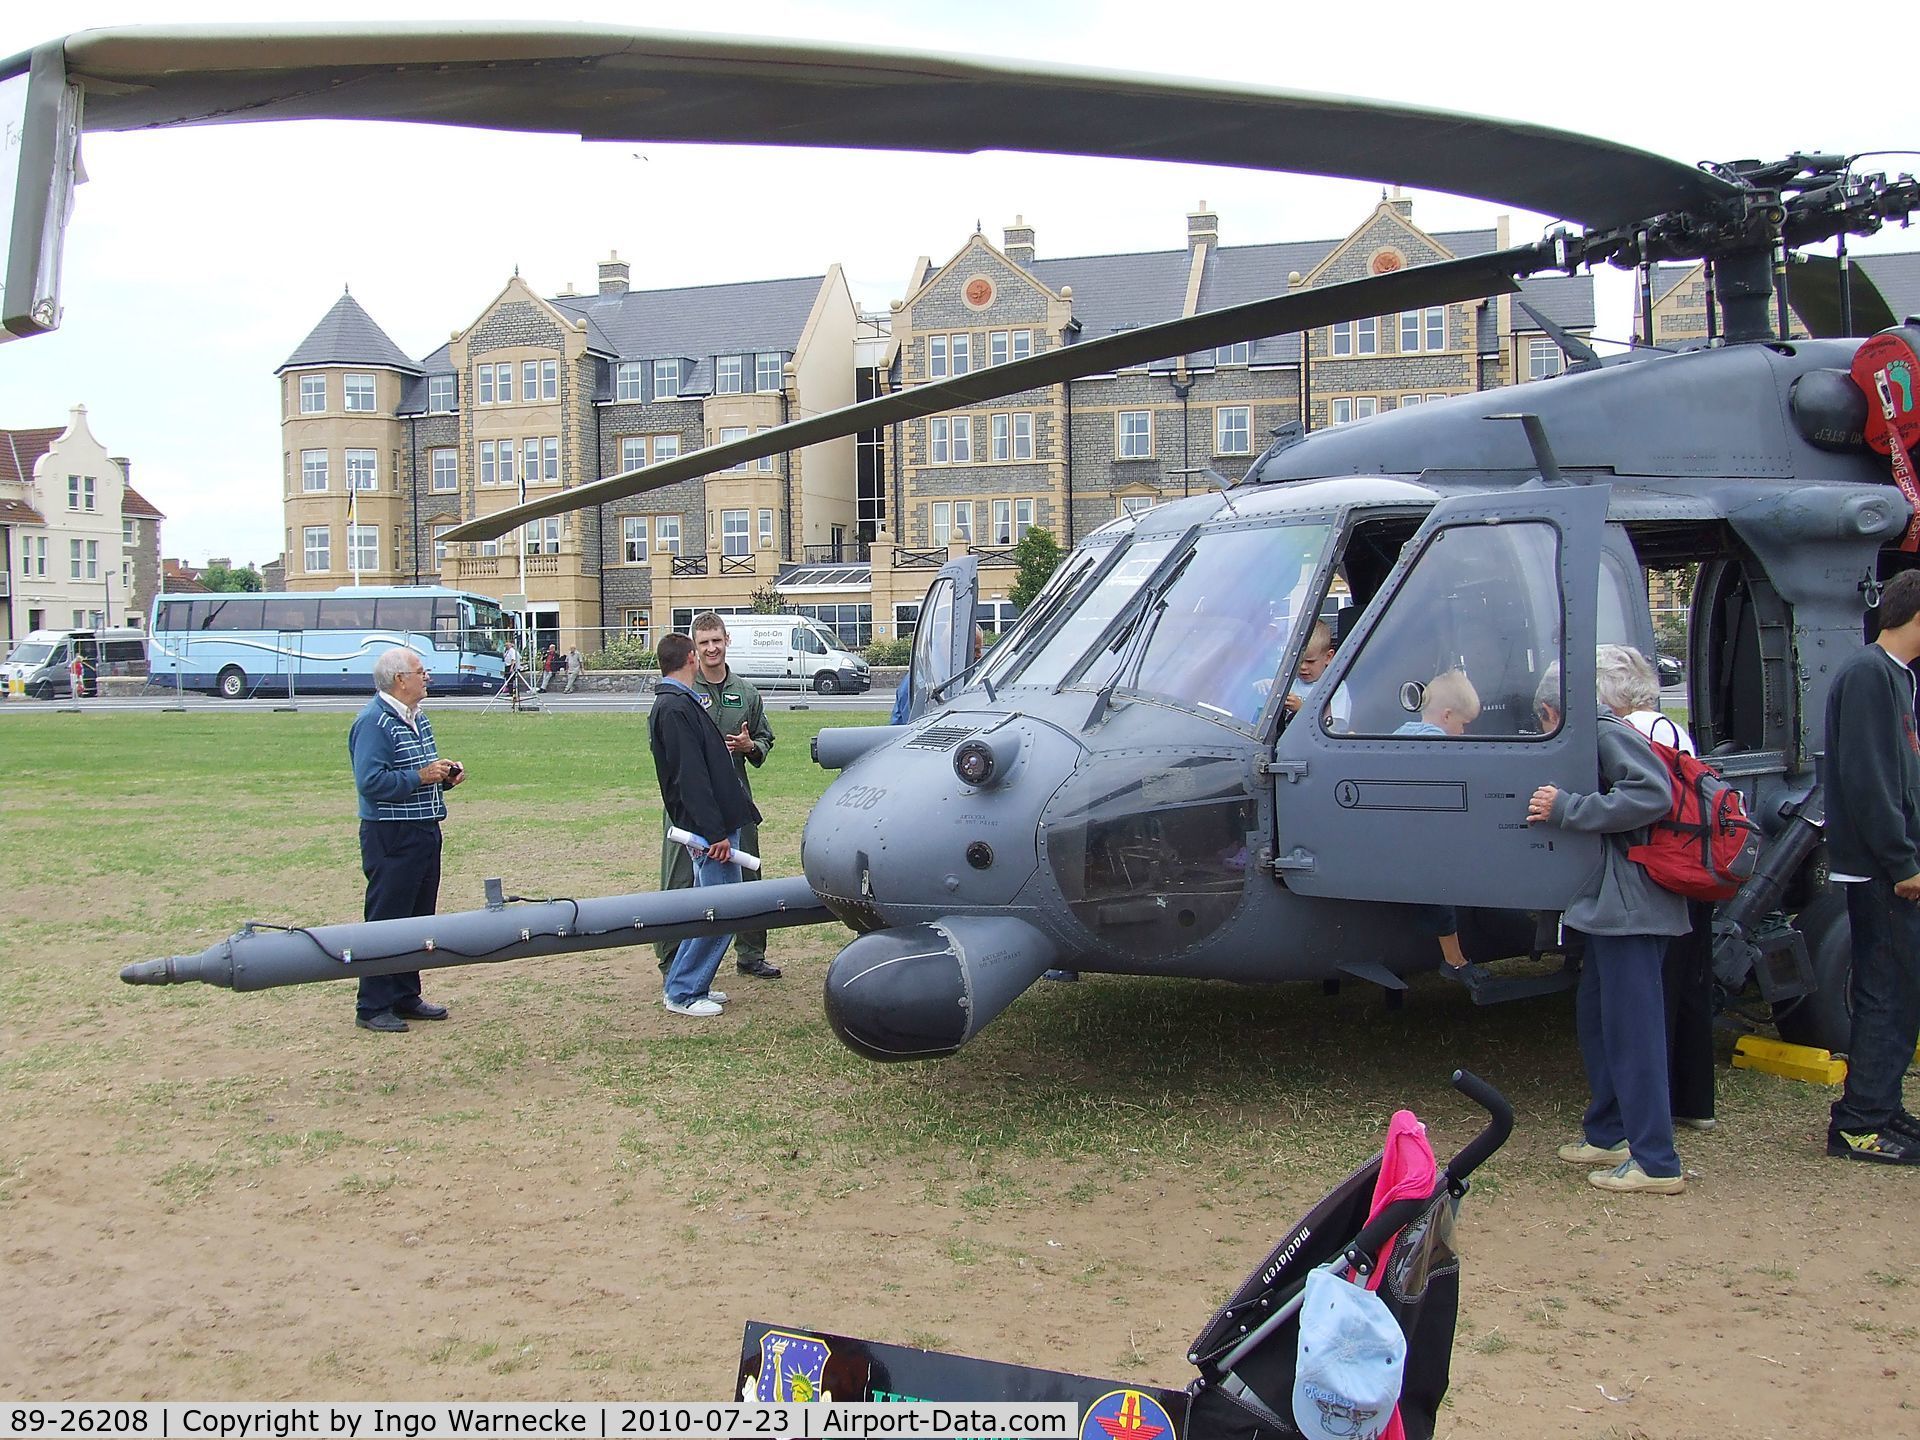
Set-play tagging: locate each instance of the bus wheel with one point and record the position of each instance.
(826, 683)
(233, 682)
(1823, 1019)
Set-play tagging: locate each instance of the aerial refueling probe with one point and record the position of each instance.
(259, 957)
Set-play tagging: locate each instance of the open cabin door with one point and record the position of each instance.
(943, 638)
(1405, 775)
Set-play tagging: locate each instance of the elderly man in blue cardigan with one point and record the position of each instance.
(401, 779)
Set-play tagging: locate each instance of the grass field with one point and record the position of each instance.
(147, 835)
(216, 1194)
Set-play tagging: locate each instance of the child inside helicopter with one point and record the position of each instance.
(1448, 705)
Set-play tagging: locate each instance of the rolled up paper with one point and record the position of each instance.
(694, 842)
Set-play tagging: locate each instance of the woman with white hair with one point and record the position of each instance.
(1687, 975)
(1626, 919)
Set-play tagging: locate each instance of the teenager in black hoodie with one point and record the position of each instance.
(704, 796)
(1873, 843)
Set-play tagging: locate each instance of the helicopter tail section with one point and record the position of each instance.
(919, 992)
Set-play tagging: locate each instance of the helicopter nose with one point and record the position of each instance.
(922, 991)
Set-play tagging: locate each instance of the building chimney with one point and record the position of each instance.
(613, 274)
(1401, 205)
(1019, 238)
(126, 468)
(1203, 228)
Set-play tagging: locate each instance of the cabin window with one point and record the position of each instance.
(1467, 639)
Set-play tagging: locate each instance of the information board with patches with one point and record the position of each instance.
(781, 1365)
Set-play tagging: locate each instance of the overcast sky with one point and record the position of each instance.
(197, 260)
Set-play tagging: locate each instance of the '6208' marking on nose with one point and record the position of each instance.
(861, 797)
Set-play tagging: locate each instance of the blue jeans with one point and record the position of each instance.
(1886, 1003)
(695, 961)
(1620, 1016)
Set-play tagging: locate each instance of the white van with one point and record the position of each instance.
(777, 651)
(41, 664)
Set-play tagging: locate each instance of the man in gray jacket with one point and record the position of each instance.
(1626, 919)
(1873, 839)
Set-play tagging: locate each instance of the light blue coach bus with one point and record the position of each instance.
(239, 645)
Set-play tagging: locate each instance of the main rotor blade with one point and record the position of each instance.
(604, 82)
(1471, 278)
(1813, 291)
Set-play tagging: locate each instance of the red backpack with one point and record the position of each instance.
(1705, 846)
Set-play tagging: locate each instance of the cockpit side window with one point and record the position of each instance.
(1093, 610)
(1470, 636)
(1218, 627)
(1056, 597)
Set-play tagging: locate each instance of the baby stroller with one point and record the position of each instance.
(1390, 1223)
(1387, 1226)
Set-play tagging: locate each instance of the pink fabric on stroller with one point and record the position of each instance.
(1408, 1171)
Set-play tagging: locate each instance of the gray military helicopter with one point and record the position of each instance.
(1118, 785)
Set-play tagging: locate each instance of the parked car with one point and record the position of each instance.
(1672, 672)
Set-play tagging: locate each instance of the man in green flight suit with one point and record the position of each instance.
(735, 706)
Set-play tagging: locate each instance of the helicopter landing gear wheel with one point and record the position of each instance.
(1823, 1019)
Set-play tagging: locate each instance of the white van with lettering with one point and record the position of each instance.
(791, 651)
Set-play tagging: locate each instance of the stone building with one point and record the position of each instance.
(79, 546)
(383, 454)
(542, 393)
(1071, 457)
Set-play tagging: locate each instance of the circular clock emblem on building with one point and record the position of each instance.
(978, 292)
(1385, 262)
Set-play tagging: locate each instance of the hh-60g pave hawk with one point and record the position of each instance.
(1115, 787)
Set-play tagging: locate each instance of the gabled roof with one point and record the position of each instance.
(1112, 293)
(1237, 274)
(132, 502)
(1567, 300)
(18, 512)
(697, 322)
(1666, 277)
(348, 336)
(1124, 292)
(20, 451)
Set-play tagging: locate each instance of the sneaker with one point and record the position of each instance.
(701, 1006)
(719, 997)
(1903, 1123)
(1585, 1152)
(1695, 1122)
(1885, 1146)
(1627, 1176)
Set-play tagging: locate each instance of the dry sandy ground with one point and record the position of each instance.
(244, 1198)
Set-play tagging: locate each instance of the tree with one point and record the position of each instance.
(767, 601)
(231, 580)
(1037, 555)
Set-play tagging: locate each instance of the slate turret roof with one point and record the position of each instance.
(348, 336)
